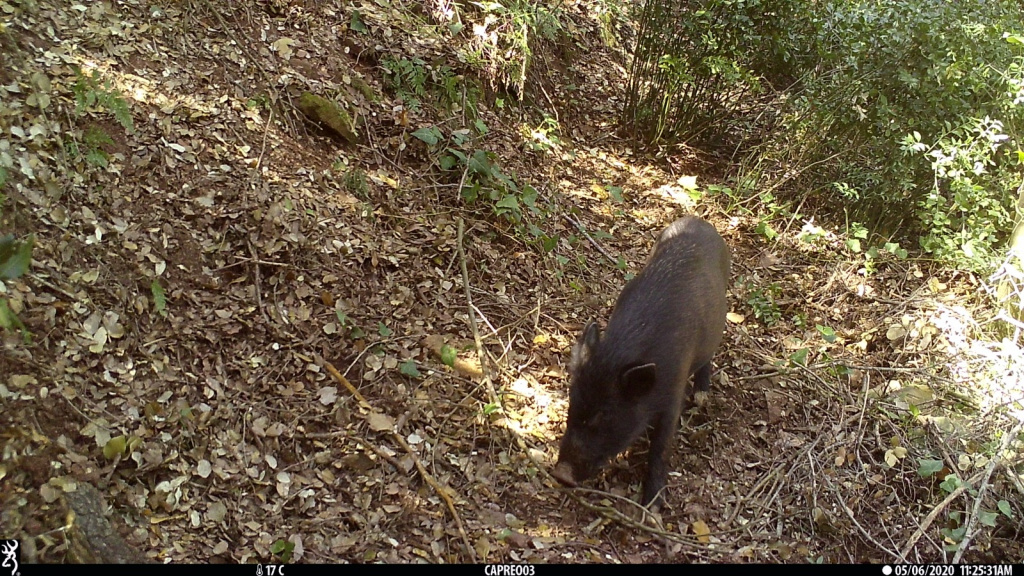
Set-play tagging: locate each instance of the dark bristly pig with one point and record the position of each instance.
(665, 327)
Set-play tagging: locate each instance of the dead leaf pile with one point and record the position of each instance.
(204, 250)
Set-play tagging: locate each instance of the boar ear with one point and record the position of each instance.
(637, 381)
(585, 346)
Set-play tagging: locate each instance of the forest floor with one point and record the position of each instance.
(189, 292)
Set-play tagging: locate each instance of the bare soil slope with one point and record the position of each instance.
(188, 293)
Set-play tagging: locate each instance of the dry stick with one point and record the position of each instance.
(863, 408)
(592, 241)
(776, 478)
(929, 519)
(969, 533)
(441, 490)
(256, 273)
(773, 475)
(53, 286)
(759, 375)
(738, 505)
(1016, 483)
(485, 363)
(612, 513)
(875, 368)
(863, 532)
(242, 260)
(486, 321)
(933, 429)
(263, 146)
(379, 452)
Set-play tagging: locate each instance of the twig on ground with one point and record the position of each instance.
(257, 282)
(485, 363)
(970, 533)
(614, 514)
(867, 536)
(442, 491)
(931, 518)
(243, 260)
(252, 56)
(592, 241)
(263, 145)
(738, 505)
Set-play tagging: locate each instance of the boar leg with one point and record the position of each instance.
(665, 426)
(701, 384)
(702, 378)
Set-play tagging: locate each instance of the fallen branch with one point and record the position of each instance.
(263, 147)
(931, 518)
(864, 533)
(970, 533)
(441, 490)
(257, 282)
(244, 47)
(484, 363)
(592, 241)
(657, 530)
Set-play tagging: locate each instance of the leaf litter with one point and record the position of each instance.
(195, 276)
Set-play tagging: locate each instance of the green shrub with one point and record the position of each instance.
(886, 70)
(90, 92)
(967, 213)
(504, 41)
(695, 66)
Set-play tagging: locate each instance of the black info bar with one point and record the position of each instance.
(527, 569)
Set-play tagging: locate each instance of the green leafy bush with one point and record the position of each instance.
(480, 175)
(416, 82)
(967, 211)
(890, 69)
(15, 260)
(90, 92)
(902, 115)
(695, 67)
(505, 36)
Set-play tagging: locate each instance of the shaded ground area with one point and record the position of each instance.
(204, 411)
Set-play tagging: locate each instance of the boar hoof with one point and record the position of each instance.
(563, 473)
(700, 398)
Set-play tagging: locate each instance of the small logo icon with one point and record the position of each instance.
(10, 555)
